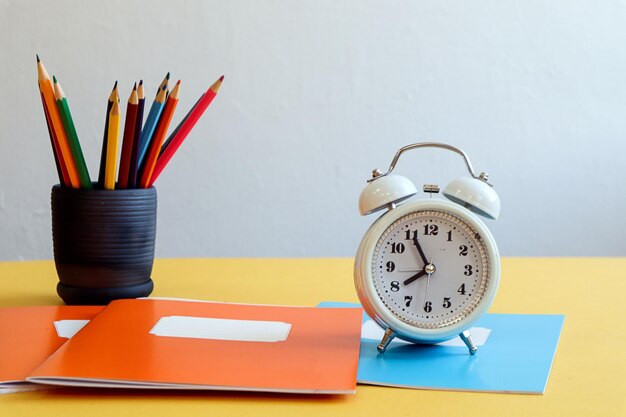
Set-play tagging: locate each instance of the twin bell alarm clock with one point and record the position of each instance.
(427, 269)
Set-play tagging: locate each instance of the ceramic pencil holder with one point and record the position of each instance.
(103, 243)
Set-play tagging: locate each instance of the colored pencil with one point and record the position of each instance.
(111, 156)
(113, 97)
(129, 135)
(72, 136)
(64, 179)
(65, 153)
(159, 135)
(184, 130)
(134, 156)
(151, 122)
(182, 122)
(165, 81)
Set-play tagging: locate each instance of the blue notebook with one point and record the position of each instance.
(515, 354)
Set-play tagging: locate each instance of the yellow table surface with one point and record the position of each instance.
(588, 375)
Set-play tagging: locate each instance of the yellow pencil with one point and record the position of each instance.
(113, 137)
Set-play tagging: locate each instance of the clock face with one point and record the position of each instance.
(430, 268)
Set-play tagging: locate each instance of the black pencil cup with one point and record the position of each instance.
(103, 243)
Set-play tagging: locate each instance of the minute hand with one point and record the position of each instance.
(419, 249)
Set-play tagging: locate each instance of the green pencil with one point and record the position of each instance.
(70, 130)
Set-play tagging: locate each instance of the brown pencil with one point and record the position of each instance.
(129, 135)
(134, 153)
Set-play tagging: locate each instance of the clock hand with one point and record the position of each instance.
(414, 277)
(419, 249)
(429, 269)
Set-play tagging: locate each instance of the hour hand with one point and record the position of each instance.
(414, 277)
(419, 249)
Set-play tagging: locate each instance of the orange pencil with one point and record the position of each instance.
(158, 137)
(56, 125)
(64, 178)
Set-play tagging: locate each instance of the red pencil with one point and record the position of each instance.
(129, 135)
(184, 130)
(157, 138)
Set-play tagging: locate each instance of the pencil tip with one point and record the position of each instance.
(178, 82)
(37, 55)
(115, 85)
(135, 86)
(167, 76)
(54, 79)
(140, 82)
(222, 78)
(164, 87)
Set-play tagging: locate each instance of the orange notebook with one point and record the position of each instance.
(185, 344)
(29, 335)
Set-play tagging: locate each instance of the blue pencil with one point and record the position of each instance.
(151, 122)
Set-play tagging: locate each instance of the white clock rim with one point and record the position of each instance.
(368, 295)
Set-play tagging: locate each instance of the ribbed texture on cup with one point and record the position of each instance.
(103, 239)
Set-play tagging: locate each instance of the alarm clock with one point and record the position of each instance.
(427, 269)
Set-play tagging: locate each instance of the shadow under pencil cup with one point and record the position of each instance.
(103, 243)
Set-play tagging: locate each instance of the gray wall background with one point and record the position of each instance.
(316, 95)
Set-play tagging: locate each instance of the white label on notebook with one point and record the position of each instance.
(68, 328)
(371, 330)
(222, 329)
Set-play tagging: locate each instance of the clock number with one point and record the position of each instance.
(450, 236)
(428, 306)
(390, 266)
(431, 229)
(410, 234)
(468, 270)
(395, 286)
(461, 289)
(463, 250)
(446, 302)
(397, 248)
(408, 299)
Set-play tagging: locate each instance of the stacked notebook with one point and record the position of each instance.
(182, 344)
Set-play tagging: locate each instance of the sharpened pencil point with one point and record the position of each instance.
(177, 82)
(37, 55)
(135, 86)
(114, 85)
(54, 79)
(222, 78)
(167, 77)
(140, 82)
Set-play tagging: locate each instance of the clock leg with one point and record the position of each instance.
(466, 337)
(387, 338)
